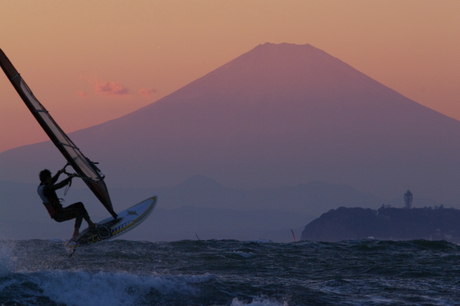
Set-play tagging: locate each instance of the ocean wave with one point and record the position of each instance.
(242, 254)
(259, 301)
(230, 272)
(81, 288)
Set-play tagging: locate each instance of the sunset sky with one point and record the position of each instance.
(92, 61)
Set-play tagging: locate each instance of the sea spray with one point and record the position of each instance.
(6, 258)
(102, 288)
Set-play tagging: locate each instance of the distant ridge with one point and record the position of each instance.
(197, 205)
(278, 115)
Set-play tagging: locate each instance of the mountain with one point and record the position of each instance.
(278, 115)
(22, 216)
(179, 224)
(198, 205)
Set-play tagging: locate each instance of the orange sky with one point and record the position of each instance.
(91, 61)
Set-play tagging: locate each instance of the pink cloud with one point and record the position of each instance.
(82, 94)
(147, 92)
(109, 88)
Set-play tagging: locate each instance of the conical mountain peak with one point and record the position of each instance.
(278, 115)
(279, 73)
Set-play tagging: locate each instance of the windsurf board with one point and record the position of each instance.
(111, 228)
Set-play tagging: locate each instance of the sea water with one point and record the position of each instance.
(228, 272)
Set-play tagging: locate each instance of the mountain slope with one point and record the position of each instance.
(279, 115)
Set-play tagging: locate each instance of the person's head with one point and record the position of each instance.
(44, 175)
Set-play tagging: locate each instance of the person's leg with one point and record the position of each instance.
(76, 211)
(68, 213)
(82, 213)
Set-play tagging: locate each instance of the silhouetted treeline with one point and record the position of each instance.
(386, 223)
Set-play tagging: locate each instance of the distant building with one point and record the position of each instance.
(408, 199)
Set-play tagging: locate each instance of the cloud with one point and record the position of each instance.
(147, 92)
(82, 94)
(109, 88)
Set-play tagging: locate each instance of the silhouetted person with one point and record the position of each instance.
(47, 192)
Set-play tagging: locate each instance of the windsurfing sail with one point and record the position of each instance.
(86, 169)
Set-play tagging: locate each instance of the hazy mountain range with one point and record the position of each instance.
(198, 206)
(278, 116)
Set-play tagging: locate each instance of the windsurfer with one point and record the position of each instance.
(47, 192)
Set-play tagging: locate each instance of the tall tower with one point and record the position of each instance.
(408, 199)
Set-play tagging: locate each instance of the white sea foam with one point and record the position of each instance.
(6, 259)
(103, 288)
(242, 254)
(258, 302)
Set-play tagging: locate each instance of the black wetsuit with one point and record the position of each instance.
(52, 203)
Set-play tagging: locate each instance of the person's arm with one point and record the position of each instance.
(61, 183)
(56, 176)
